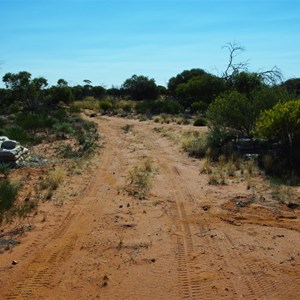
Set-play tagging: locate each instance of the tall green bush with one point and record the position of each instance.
(281, 123)
(8, 194)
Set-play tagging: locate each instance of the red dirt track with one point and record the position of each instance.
(186, 240)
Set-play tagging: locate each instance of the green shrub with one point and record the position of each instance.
(63, 127)
(281, 125)
(4, 169)
(8, 194)
(232, 110)
(219, 141)
(197, 148)
(15, 132)
(127, 108)
(105, 105)
(159, 107)
(199, 121)
(33, 121)
(74, 109)
(198, 106)
(59, 114)
(2, 123)
(67, 151)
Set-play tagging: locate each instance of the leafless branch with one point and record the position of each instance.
(273, 76)
(232, 67)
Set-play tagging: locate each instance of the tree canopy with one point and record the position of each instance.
(141, 88)
(181, 78)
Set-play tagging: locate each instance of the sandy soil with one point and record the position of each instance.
(186, 240)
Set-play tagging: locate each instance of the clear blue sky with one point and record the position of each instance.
(107, 41)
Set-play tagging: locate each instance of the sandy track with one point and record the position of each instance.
(176, 244)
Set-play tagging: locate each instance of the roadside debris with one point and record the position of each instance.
(11, 152)
(17, 156)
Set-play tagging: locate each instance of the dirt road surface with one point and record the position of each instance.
(185, 240)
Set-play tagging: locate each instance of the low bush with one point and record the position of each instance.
(4, 169)
(281, 125)
(199, 121)
(8, 194)
(105, 105)
(89, 103)
(64, 127)
(197, 148)
(16, 132)
(159, 107)
(34, 121)
(219, 142)
(74, 109)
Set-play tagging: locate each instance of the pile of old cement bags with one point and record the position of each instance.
(12, 152)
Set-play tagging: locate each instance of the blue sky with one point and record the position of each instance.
(107, 41)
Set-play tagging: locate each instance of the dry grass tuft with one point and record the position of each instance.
(140, 179)
(52, 180)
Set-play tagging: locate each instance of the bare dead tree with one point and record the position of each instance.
(233, 67)
(271, 77)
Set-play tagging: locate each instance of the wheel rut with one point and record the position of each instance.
(171, 245)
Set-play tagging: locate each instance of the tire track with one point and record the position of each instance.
(257, 274)
(38, 278)
(254, 282)
(42, 272)
(191, 285)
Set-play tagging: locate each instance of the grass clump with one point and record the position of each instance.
(140, 179)
(88, 103)
(105, 105)
(127, 128)
(52, 180)
(216, 178)
(194, 144)
(24, 210)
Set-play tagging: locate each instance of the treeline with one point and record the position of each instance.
(194, 90)
(238, 103)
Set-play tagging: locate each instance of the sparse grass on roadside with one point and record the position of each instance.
(216, 178)
(52, 181)
(127, 128)
(88, 103)
(24, 210)
(140, 179)
(223, 170)
(283, 194)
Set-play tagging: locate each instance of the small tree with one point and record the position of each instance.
(203, 88)
(141, 88)
(61, 82)
(181, 78)
(29, 92)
